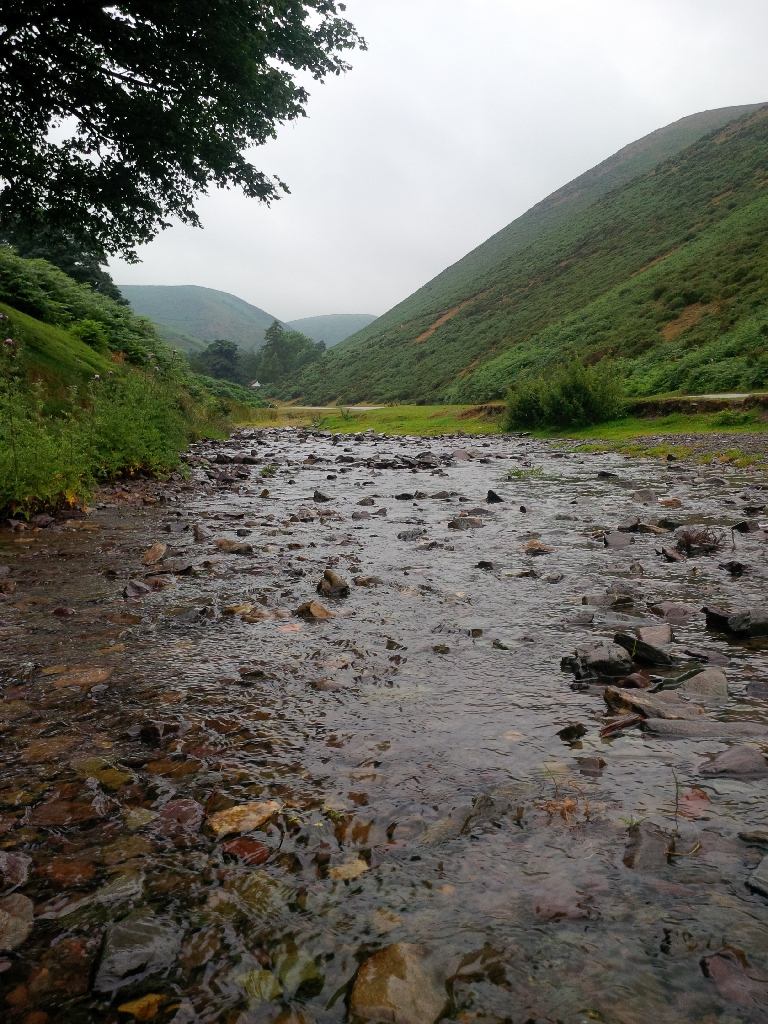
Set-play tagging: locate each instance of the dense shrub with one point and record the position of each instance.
(119, 426)
(573, 395)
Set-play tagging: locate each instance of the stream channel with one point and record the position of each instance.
(501, 766)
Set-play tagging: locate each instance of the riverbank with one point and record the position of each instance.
(324, 712)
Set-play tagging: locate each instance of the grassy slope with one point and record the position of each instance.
(568, 260)
(201, 313)
(179, 340)
(332, 328)
(53, 355)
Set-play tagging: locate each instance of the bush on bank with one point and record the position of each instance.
(573, 395)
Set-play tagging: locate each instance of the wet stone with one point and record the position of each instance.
(398, 987)
(332, 585)
(646, 848)
(617, 541)
(747, 622)
(652, 705)
(710, 684)
(465, 523)
(656, 634)
(641, 651)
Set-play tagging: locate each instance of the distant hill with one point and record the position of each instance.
(655, 257)
(332, 328)
(199, 314)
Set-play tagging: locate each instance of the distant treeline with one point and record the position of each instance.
(284, 353)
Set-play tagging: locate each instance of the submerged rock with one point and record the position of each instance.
(616, 541)
(234, 547)
(313, 610)
(739, 762)
(705, 728)
(646, 848)
(397, 986)
(243, 817)
(134, 948)
(16, 920)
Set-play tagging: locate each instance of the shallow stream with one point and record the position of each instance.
(430, 784)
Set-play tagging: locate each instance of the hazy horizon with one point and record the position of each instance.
(457, 120)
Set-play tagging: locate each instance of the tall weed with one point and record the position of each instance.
(131, 421)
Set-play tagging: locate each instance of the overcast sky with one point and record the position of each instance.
(460, 116)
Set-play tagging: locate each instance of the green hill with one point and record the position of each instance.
(332, 328)
(189, 314)
(655, 257)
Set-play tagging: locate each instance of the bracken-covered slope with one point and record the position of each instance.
(654, 257)
(203, 314)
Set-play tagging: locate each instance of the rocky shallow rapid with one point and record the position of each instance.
(389, 729)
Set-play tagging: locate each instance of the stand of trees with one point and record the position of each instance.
(283, 354)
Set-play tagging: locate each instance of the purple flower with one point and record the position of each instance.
(9, 341)
(96, 376)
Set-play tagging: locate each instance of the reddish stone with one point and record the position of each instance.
(248, 850)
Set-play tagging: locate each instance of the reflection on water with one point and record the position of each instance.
(214, 809)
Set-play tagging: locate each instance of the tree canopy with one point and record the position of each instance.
(283, 353)
(116, 117)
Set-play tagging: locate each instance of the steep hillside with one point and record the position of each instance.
(203, 314)
(615, 234)
(332, 328)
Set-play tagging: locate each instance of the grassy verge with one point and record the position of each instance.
(750, 422)
(422, 420)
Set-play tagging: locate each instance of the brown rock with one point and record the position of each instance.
(332, 585)
(84, 677)
(250, 851)
(396, 986)
(243, 817)
(62, 812)
(313, 610)
(234, 547)
(155, 553)
(652, 705)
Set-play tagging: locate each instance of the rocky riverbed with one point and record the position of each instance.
(389, 729)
